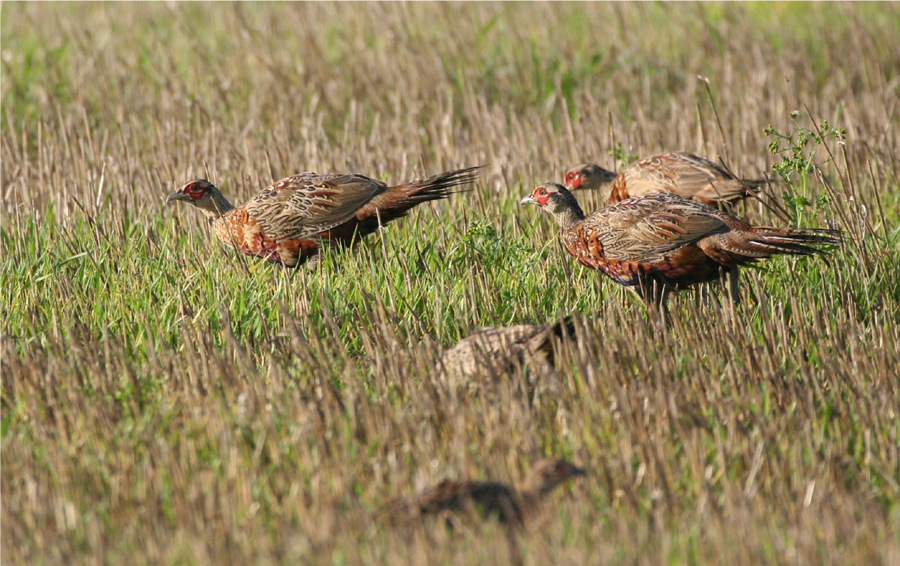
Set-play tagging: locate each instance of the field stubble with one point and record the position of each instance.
(166, 402)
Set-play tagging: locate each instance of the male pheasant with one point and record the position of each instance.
(660, 242)
(685, 174)
(511, 506)
(289, 221)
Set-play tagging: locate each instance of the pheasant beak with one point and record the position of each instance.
(529, 200)
(177, 195)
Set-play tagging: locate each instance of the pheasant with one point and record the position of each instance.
(661, 242)
(289, 221)
(679, 172)
(500, 350)
(511, 506)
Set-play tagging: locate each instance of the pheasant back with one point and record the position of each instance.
(283, 222)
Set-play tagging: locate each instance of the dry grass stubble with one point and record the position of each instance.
(151, 414)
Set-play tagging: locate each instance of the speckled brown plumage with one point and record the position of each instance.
(499, 351)
(289, 221)
(661, 242)
(685, 174)
(473, 498)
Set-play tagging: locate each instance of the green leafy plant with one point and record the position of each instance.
(799, 149)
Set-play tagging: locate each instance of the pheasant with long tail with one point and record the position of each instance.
(290, 221)
(661, 242)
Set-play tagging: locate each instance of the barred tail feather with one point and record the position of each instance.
(397, 201)
(438, 186)
(787, 241)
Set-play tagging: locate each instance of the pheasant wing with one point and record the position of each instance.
(678, 172)
(689, 166)
(702, 179)
(302, 206)
(646, 228)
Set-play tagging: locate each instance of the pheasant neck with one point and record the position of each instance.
(568, 217)
(530, 500)
(218, 208)
(606, 190)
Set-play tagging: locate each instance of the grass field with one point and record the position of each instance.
(153, 412)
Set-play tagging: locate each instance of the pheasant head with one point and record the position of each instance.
(558, 201)
(204, 195)
(588, 176)
(547, 474)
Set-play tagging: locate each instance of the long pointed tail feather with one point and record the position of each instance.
(739, 247)
(397, 201)
(797, 242)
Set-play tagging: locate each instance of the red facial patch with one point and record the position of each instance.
(541, 195)
(573, 180)
(195, 191)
